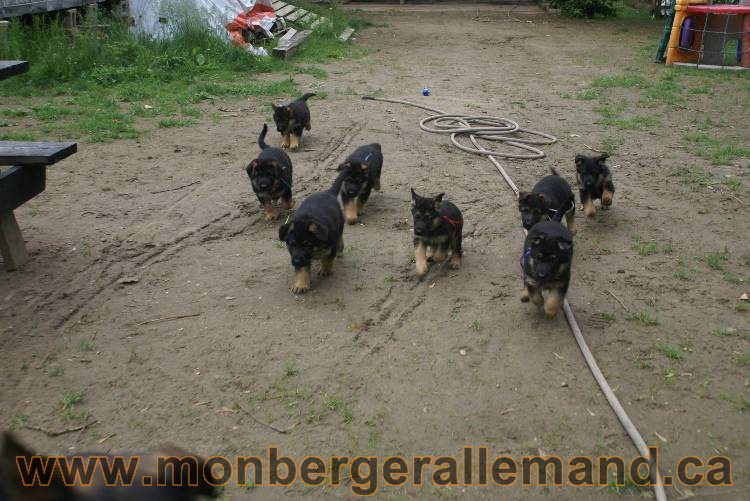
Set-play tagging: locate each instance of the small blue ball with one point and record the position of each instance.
(426, 91)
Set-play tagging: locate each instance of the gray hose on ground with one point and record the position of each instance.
(505, 131)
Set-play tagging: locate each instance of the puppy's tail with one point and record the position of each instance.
(306, 96)
(336, 187)
(262, 138)
(554, 172)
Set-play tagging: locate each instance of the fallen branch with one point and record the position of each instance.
(278, 430)
(61, 432)
(167, 319)
(175, 189)
(592, 149)
(619, 301)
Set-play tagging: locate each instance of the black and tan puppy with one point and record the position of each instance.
(187, 483)
(315, 231)
(546, 259)
(438, 226)
(361, 175)
(594, 182)
(271, 176)
(291, 119)
(549, 200)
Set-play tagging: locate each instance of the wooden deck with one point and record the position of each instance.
(13, 8)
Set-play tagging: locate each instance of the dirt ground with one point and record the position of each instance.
(371, 360)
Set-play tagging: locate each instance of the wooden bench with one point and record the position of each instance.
(25, 179)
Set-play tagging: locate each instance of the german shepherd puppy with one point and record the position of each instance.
(315, 231)
(362, 175)
(438, 226)
(546, 259)
(145, 484)
(291, 119)
(594, 182)
(271, 176)
(549, 200)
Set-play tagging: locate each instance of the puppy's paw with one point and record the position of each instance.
(606, 199)
(300, 288)
(589, 210)
(288, 204)
(351, 220)
(550, 314)
(455, 262)
(422, 271)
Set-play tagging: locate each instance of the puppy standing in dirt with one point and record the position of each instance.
(315, 231)
(361, 175)
(271, 176)
(438, 226)
(549, 200)
(291, 119)
(546, 259)
(594, 181)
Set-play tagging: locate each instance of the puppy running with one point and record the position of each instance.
(315, 231)
(546, 259)
(438, 226)
(290, 119)
(271, 176)
(361, 175)
(549, 200)
(594, 182)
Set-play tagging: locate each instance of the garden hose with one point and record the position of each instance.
(511, 134)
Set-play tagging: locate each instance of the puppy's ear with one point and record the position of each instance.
(251, 167)
(320, 232)
(273, 105)
(523, 196)
(438, 200)
(564, 245)
(343, 166)
(579, 160)
(603, 157)
(414, 195)
(284, 230)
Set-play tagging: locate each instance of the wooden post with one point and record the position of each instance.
(71, 20)
(12, 246)
(4, 26)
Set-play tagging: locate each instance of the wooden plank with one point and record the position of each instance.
(18, 185)
(278, 4)
(34, 153)
(346, 34)
(290, 46)
(12, 68)
(305, 19)
(317, 22)
(288, 35)
(284, 11)
(297, 14)
(38, 6)
(12, 246)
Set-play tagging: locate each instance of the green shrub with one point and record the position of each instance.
(585, 8)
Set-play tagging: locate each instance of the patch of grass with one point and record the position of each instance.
(17, 136)
(168, 123)
(589, 94)
(694, 177)
(718, 151)
(725, 332)
(55, 371)
(14, 113)
(86, 345)
(71, 399)
(21, 419)
(742, 306)
(609, 317)
(291, 370)
(732, 278)
(667, 249)
(740, 403)
(621, 81)
(744, 359)
(669, 351)
(644, 248)
(611, 144)
(644, 318)
(475, 325)
(714, 259)
(344, 409)
(644, 362)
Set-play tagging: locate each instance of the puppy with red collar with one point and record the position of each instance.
(438, 226)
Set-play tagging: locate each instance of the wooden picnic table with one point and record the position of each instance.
(25, 179)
